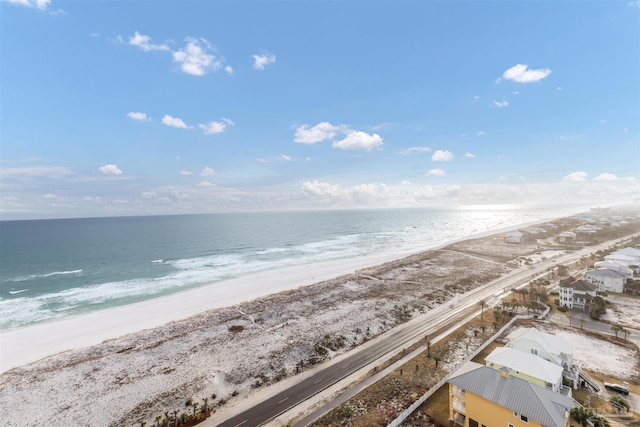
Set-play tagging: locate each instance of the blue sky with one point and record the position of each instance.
(134, 108)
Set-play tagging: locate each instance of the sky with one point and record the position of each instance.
(166, 107)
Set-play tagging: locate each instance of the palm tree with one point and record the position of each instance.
(497, 313)
(616, 328)
(581, 414)
(626, 332)
(195, 408)
(599, 421)
(428, 346)
(482, 303)
(205, 406)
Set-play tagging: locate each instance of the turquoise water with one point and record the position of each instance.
(51, 269)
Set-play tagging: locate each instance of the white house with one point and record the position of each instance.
(607, 280)
(614, 265)
(587, 229)
(527, 366)
(629, 261)
(629, 251)
(514, 237)
(547, 346)
(576, 293)
(566, 236)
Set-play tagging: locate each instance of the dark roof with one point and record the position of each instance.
(580, 285)
(537, 403)
(568, 280)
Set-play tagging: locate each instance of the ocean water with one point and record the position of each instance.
(51, 269)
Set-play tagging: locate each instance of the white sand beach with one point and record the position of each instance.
(25, 345)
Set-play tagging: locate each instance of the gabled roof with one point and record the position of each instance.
(567, 234)
(537, 403)
(616, 265)
(605, 272)
(629, 251)
(551, 343)
(526, 363)
(622, 257)
(578, 285)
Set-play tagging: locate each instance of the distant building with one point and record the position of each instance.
(587, 229)
(607, 280)
(577, 293)
(566, 237)
(482, 396)
(514, 237)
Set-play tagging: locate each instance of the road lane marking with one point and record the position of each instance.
(238, 425)
(345, 366)
(317, 381)
(286, 398)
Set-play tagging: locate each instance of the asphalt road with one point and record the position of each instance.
(275, 405)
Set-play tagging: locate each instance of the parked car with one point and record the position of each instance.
(616, 387)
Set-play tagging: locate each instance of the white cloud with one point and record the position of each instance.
(173, 122)
(576, 176)
(436, 172)
(50, 196)
(206, 184)
(281, 158)
(144, 43)
(603, 121)
(34, 171)
(149, 195)
(500, 104)
(228, 69)
(260, 61)
(442, 156)
(515, 92)
(412, 150)
(214, 127)
(559, 88)
(195, 57)
(324, 130)
(521, 73)
(357, 140)
(185, 173)
(606, 177)
(110, 170)
(38, 4)
(207, 171)
(139, 116)
(476, 98)
(480, 133)
(468, 155)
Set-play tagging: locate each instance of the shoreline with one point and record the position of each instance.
(28, 344)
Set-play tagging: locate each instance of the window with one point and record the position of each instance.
(525, 419)
(534, 351)
(473, 423)
(510, 425)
